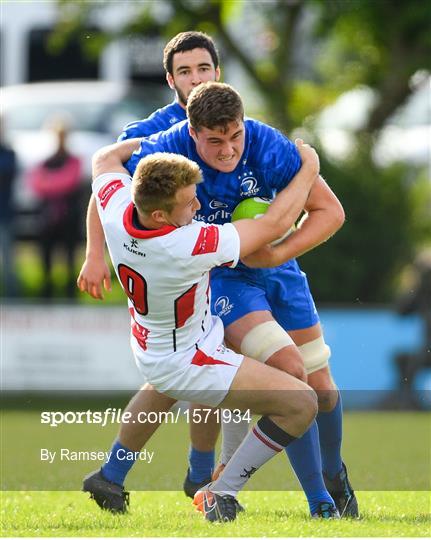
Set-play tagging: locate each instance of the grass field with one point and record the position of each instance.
(268, 514)
(385, 452)
(388, 456)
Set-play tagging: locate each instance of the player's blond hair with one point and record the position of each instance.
(214, 105)
(157, 179)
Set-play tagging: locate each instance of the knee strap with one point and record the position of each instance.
(264, 340)
(315, 354)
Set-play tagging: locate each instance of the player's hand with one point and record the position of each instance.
(262, 258)
(94, 274)
(309, 156)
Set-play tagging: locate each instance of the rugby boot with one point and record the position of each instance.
(190, 488)
(342, 493)
(215, 507)
(326, 511)
(108, 496)
(218, 471)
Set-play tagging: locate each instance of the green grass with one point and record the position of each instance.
(388, 456)
(384, 450)
(269, 514)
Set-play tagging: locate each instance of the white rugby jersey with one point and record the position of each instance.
(164, 272)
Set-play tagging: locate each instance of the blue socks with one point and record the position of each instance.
(304, 455)
(308, 460)
(119, 463)
(201, 465)
(330, 435)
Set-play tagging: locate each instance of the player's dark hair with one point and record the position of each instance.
(157, 179)
(214, 104)
(187, 41)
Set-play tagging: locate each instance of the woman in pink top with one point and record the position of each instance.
(56, 183)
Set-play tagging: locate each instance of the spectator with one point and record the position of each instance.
(7, 177)
(56, 183)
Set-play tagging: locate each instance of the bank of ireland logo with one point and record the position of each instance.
(249, 187)
(215, 205)
(223, 306)
(218, 212)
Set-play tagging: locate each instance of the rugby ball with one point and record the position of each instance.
(253, 208)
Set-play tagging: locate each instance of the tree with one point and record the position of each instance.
(387, 218)
(305, 54)
(379, 43)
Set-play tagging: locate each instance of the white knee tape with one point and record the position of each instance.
(264, 340)
(315, 354)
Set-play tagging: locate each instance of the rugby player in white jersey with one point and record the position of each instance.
(177, 343)
(189, 58)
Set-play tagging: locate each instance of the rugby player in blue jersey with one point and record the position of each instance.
(251, 159)
(189, 59)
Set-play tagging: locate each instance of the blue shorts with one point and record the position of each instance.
(284, 291)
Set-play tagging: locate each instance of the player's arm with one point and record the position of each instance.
(325, 215)
(284, 210)
(110, 159)
(95, 271)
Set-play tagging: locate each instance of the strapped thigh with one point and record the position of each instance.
(262, 341)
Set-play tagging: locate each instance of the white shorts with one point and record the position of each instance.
(202, 374)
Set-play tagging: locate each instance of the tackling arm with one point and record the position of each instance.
(110, 159)
(95, 271)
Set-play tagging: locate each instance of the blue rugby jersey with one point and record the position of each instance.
(159, 120)
(270, 160)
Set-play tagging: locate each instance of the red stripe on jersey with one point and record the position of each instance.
(139, 332)
(230, 263)
(139, 233)
(201, 359)
(184, 306)
(207, 241)
(106, 192)
(265, 441)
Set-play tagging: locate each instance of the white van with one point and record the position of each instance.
(96, 112)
